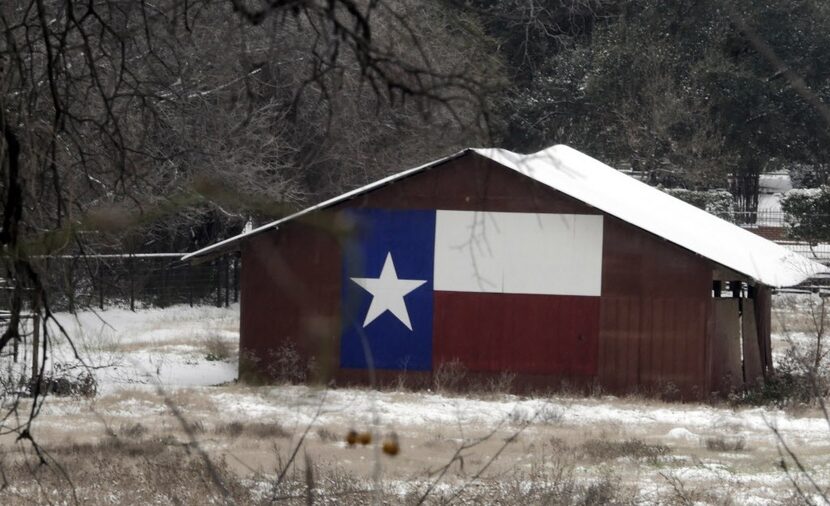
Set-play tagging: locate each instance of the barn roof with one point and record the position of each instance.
(592, 182)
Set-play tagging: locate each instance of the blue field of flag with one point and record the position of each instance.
(387, 300)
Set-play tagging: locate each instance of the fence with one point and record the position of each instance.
(140, 280)
(772, 224)
(760, 218)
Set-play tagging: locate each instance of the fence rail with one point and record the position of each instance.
(759, 218)
(772, 224)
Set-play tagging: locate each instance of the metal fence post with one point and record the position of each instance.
(190, 288)
(236, 278)
(163, 295)
(132, 282)
(226, 266)
(101, 267)
(35, 334)
(217, 270)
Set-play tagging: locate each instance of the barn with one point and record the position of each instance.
(552, 267)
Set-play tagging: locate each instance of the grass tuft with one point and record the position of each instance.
(726, 443)
(602, 449)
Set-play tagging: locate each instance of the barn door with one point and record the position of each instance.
(736, 350)
(727, 373)
(753, 368)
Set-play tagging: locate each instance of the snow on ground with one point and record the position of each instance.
(144, 361)
(151, 346)
(167, 347)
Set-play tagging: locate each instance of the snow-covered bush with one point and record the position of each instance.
(807, 214)
(717, 202)
(805, 175)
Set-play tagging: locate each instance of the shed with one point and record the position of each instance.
(552, 267)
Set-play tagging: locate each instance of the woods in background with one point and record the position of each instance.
(137, 127)
(165, 127)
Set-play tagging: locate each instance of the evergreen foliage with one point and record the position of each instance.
(807, 214)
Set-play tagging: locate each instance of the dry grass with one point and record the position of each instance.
(134, 430)
(113, 471)
(448, 377)
(551, 481)
(217, 348)
(636, 449)
(555, 462)
(258, 430)
(792, 314)
(726, 443)
(328, 436)
(164, 471)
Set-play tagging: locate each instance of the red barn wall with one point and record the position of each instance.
(648, 329)
(655, 298)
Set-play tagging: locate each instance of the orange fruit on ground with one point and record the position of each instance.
(351, 437)
(391, 446)
(364, 438)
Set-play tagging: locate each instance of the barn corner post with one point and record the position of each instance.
(751, 340)
(763, 318)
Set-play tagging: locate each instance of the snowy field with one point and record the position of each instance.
(166, 384)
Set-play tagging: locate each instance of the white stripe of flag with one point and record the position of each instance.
(522, 253)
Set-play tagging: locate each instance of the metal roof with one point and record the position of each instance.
(594, 183)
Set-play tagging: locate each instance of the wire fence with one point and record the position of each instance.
(760, 218)
(772, 224)
(135, 281)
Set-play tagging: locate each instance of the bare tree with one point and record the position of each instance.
(118, 113)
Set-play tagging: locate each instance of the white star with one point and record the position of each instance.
(388, 292)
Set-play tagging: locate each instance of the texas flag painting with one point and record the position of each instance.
(496, 291)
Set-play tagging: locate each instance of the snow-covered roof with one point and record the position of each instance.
(594, 183)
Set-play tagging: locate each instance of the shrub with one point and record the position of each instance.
(217, 349)
(792, 383)
(326, 435)
(717, 202)
(725, 443)
(449, 376)
(258, 430)
(601, 449)
(285, 364)
(64, 382)
(806, 214)
(809, 175)
(500, 384)
(196, 427)
(135, 430)
(232, 429)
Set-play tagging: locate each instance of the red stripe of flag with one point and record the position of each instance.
(533, 334)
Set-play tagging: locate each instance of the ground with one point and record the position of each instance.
(168, 423)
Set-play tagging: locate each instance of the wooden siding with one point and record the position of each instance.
(648, 331)
(654, 301)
